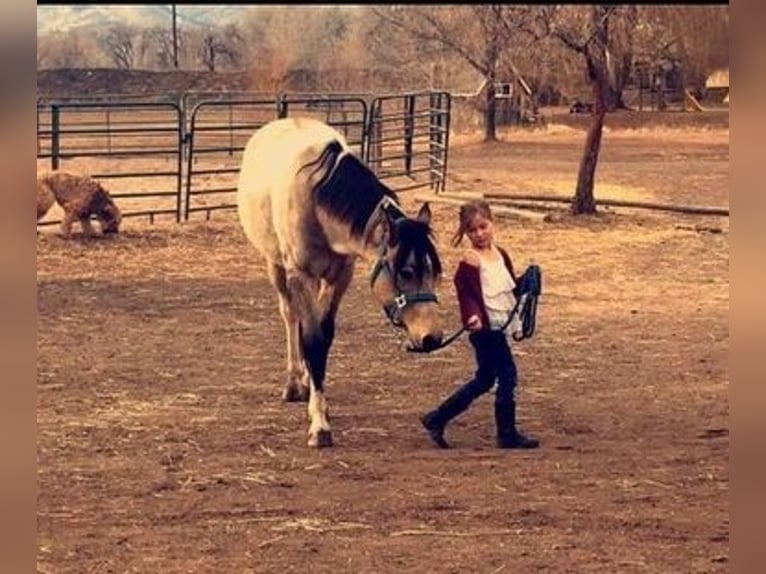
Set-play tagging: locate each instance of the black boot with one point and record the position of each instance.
(507, 434)
(435, 421)
(435, 426)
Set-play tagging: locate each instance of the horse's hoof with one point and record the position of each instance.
(321, 439)
(296, 394)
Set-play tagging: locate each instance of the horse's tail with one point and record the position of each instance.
(324, 165)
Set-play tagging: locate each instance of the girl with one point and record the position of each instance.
(484, 281)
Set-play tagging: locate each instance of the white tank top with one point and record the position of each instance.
(497, 289)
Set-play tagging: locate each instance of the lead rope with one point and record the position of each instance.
(527, 292)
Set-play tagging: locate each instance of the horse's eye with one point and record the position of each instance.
(407, 274)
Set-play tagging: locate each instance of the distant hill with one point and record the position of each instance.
(66, 17)
(90, 82)
(78, 82)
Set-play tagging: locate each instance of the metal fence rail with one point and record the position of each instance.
(179, 157)
(218, 133)
(136, 146)
(220, 129)
(408, 137)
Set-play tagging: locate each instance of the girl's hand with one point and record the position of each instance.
(473, 324)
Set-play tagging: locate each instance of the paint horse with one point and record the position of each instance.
(312, 208)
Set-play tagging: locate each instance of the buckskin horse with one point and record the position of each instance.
(312, 208)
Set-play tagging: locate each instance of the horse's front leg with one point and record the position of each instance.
(315, 347)
(331, 292)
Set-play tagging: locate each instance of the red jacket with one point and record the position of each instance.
(468, 285)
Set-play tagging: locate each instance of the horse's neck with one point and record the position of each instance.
(371, 243)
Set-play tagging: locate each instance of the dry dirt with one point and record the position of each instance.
(163, 445)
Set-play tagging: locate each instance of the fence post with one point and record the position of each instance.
(433, 117)
(108, 130)
(375, 134)
(38, 125)
(281, 106)
(409, 128)
(55, 127)
(445, 119)
(231, 131)
(180, 156)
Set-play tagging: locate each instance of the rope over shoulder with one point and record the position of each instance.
(527, 291)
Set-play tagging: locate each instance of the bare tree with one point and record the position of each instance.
(585, 31)
(278, 46)
(220, 46)
(62, 50)
(326, 39)
(480, 34)
(696, 36)
(120, 47)
(160, 47)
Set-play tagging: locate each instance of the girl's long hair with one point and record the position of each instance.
(467, 213)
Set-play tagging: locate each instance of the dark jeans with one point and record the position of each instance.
(495, 364)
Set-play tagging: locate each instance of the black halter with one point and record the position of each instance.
(401, 299)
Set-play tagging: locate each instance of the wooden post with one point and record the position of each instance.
(55, 127)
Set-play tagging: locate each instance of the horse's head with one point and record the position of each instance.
(405, 277)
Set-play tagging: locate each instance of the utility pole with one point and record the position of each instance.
(175, 39)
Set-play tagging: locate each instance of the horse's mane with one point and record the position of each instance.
(350, 191)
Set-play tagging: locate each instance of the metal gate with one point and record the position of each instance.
(220, 129)
(408, 138)
(156, 164)
(136, 147)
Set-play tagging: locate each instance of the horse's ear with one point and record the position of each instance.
(393, 230)
(424, 214)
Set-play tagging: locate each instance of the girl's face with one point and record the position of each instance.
(479, 231)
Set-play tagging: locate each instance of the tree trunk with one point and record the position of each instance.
(615, 99)
(490, 126)
(583, 201)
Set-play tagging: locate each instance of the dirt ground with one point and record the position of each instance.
(163, 445)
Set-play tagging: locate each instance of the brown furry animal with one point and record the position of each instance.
(80, 197)
(45, 199)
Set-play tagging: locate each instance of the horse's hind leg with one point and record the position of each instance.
(297, 383)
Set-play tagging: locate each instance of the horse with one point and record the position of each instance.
(312, 208)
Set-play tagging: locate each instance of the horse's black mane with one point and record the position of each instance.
(351, 192)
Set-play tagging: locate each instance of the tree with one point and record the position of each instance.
(62, 50)
(275, 37)
(696, 36)
(161, 47)
(480, 34)
(585, 31)
(220, 45)
(119, 44)
(327, 40)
